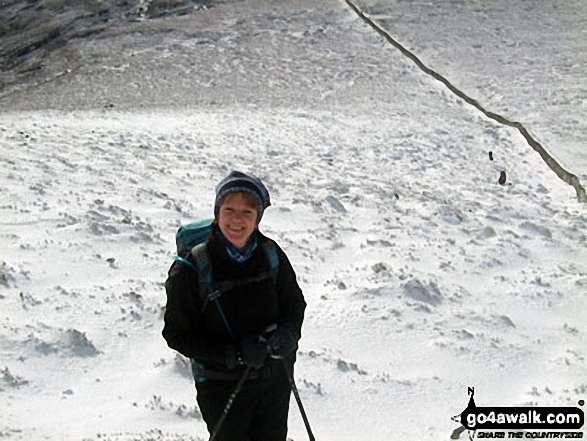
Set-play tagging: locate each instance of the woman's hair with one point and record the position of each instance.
(250, 200)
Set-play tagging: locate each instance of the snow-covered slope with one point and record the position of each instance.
(423, 275)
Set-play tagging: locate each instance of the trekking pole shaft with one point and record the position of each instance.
(294, 389)
(229, 403)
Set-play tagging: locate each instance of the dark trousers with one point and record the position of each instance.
(259, 412)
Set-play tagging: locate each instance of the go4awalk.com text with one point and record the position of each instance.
(522, 422)
(522, 418)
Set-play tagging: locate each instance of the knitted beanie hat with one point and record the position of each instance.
(240, 182)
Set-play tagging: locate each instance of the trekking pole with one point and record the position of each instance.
(294, 389)
(230, 402)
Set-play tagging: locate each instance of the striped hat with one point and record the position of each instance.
(237, 182)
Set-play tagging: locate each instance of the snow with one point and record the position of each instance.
(423, 275)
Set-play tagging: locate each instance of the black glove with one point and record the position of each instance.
(282, 342)
(254, 350)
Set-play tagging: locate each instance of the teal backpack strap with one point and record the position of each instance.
(205, 285)
(186, 262)
(270, 251)
(204, 270)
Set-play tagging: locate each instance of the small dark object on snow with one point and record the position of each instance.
(491, 156)
(457, 433)
(502, 178)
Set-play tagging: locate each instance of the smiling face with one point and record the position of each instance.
(237, 218)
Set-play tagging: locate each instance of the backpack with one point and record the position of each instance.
(192, 238)
(190, 235)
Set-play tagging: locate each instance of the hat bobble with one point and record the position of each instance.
(238, 182)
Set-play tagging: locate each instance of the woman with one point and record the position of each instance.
(251, 330)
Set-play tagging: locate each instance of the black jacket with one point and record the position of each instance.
(250, 309)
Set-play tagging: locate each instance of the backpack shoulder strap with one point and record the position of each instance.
(270, 251)
(186, 262)
(205, 285)
(204, 269)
